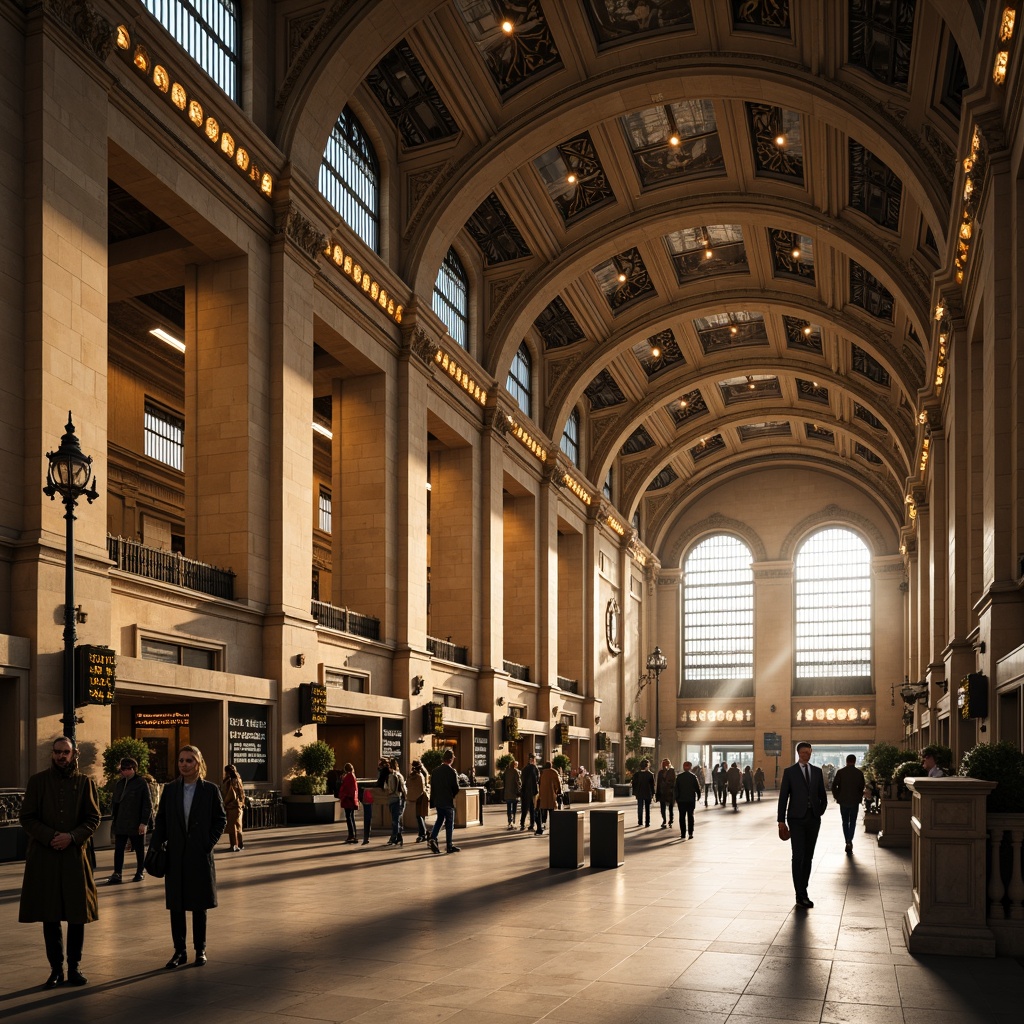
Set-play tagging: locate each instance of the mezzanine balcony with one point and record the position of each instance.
(133, 557)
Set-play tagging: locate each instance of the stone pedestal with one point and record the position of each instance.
(948, 863)
(607, 838)
(469, 807)
(894, 828)
(565, 839)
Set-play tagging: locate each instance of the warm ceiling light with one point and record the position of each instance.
(655, 352)
(683, 403)
(622, 278)
(507, 27)
(814, 383)
(571, 178)
(320, 429)
(940, 311)
(170, 339)
(807, 330)
(796, 254)
(780, 140)
(999, 68)
(673, 140)
(734, 329)
(750, 383)
(1006, 25)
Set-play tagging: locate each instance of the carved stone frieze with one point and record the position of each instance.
(439, 177)
(773, 574)
(310, 45)
(496, 420)
(299, 30)
(303, 233)
(420, 343)
(85, 23)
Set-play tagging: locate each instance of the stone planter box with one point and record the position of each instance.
(601, 796)
(311, 810)
(872, 822)
(13, 842)
(622, 789)
(576, 797)
(894, 830)
(102, 837)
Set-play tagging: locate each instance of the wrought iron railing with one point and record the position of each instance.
(447, 651)
(346, 621)
(170, 567)
(517, 671)
(569, 685)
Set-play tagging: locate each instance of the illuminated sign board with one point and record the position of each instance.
(312, 704)
(95, 675)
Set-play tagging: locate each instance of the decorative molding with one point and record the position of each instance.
(838, 515)
(418, 209)
(773, 574)
(718, 523)
(421, 344)
(304, 233)
(85, 23)
(496, 420)
(310, 45)
(298, 30)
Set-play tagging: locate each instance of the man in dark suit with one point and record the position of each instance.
(802, 802)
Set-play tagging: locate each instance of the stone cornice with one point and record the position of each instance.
(85, 24)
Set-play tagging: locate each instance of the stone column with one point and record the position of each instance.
(948, 863)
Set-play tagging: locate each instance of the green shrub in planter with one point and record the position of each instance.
(308, 785)
(884, 758)
(907, 770)
(430, 759)
(943, 756)
(316, 759)
(117, 749)
(561, 762)
(1003, 764)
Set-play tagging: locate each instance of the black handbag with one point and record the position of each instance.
(156, 860)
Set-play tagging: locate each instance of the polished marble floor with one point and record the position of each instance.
(695, 932)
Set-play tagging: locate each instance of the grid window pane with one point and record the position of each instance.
(208, 31)
(571, 438)
(451, 298)
(718, 619)
(518, 383)
(164, 436)
(350, 178)
(325, 512)
(833, 614)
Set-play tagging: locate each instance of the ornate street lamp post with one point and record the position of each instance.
(70, 475)
(657, 663)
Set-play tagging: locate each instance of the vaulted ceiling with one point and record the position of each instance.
(715, 223)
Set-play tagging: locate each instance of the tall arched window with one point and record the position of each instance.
(451, 298)
(571, 438)
(833, 614)
(518, 383)
(718, 619)
(208, 31)
(350, 178)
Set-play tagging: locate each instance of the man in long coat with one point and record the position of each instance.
(60, 812)
(190, 820)
(550, 787)
(531, 786)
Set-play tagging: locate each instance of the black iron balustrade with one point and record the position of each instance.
(517, 671)
(445, 650)
(10, 806)
(345, 621)
(170, 567)
(263, 809)
(569, 685)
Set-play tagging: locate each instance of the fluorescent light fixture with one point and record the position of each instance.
(159, 332)
(323, 430)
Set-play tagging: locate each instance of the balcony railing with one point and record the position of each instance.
(170, 567)
(517, 671)
(447, 651)
(345, 621)
(569, 685)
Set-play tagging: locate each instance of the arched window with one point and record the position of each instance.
(718, 619)
(833, 614)
(451, 298)
(518, 383)
(350, 178)
(208, 31)
(571, 438)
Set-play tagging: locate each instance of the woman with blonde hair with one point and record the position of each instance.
(233, 794)
(190, 820)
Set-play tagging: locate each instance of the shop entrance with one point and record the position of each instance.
(165, 730)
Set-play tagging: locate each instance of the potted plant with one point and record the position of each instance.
(497, 784)
(430, 759)
(883, 759)
(309, 803)
(561, 763)
(1003, 764)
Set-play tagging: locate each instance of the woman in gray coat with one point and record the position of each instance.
(190, 820)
